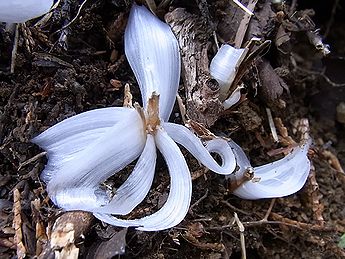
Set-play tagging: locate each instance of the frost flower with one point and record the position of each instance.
(87, 149)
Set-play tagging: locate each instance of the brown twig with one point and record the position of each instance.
(333, 161)
(32, 159)
(198, 201)
(203, 246)
(292, 7)
(317, 73)
(14, 50)
(301, 225)
(285, 138)
(235, 183)
(268, 212)
(127, 99)
(182, 108)
(234, 208)
(313, 194)
(198, 173)
(41, 237)
(269, 222)
(242, 239)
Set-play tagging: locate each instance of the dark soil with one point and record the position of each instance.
(56, 79)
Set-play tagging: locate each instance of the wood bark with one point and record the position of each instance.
(201, 91)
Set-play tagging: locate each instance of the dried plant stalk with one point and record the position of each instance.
(17, 224)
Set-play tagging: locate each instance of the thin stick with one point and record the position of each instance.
(182, 108)
(14, 50)
(152, 6)
(73, 20)
(268, 212)
(331, 19)
(243, 241)
(235, 208)
(313, 194)
(215, 39)
(243, 7)
(272, 126)
(297, 224)
(292, 7)
(127, 99)
(200, 200)
(322, 74)
(32, 159)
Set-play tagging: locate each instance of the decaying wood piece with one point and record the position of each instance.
(67, 229)
(127, 100)
(201, 90)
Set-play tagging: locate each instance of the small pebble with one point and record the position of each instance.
(341, 112)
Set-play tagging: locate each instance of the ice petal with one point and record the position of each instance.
(98, 119)
(242, 160)
(280, 178)
(153, 53)
(70, 136)
(86, 169)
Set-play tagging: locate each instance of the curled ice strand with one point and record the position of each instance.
(242, 161)
(19, 11)
(280, 178)
(224, 67)
(192, 143)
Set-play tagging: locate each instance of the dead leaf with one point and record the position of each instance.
(196, 229)
(272, 85)
(17, 224)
